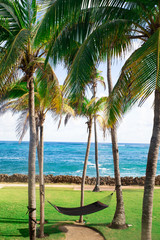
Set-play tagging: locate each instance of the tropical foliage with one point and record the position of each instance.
(117, 25)
(18, 57)
(48, 98)
(101, 28)
(89, 109)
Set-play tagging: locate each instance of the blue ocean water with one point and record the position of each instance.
(61, 158)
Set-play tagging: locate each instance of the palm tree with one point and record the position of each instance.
(138, 80)
(83, 62)
(89, 108)
(117, 24)
(119, 220)
(20, 57)
(18, 20)
(48, 98)
(95, 79)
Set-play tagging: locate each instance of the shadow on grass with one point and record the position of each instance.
(51, 221)
(22, 221)
(98, 224)
(48, 230)
(13, 220)
(51, 228)
(10, 235)
(24, 232)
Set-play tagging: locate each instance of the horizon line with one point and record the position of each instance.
(74, 142)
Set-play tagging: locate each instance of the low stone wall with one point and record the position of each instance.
(77, 180)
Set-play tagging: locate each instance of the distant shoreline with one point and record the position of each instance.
(126, 181)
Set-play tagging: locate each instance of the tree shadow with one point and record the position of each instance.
(98, 224)
(52, 227)
(10, 235)
(13, 220)
(48, 230)
(24, 232)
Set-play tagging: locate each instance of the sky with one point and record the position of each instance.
(136, 126)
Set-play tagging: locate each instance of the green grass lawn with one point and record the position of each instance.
(14, 221)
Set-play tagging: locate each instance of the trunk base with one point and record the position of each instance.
(80, 222)
(96, 189)
(117, 226)
(40, 236)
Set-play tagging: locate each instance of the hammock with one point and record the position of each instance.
(88, 209)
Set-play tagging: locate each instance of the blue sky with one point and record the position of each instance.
(136, 127)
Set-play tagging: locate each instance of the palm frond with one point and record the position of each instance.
(10, 77)
(140, 77)
(103, 123)
(5, 106)
(26, 12)
(58, 12)
(22, 125)
(34, 11)
(68, 110)
(4, 30)
(67, 117)
(100, 79)
(103, 39)
(15, 105)
(15, 90)
(8, 12)
(48, 85)
(66, 39)
(13, 51)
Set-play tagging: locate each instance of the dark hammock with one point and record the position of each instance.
(88, 209)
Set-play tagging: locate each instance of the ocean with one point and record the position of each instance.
(63, 158)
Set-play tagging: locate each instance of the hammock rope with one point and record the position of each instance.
(29, 211)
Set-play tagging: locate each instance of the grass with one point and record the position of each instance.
(14, 221)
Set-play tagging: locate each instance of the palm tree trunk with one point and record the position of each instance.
(38, 147)
(119, 220)
(96, 188)
(41, 178)
(31, 164)
(85, 166)
(119, 216)
(41, 183)
(151, 172)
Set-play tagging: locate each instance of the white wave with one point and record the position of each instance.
(12, 158)
(129, 169)
(103, 170)
(50, 172)
(70, 160)
(91, 164)
(79, 171)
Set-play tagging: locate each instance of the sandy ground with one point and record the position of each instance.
(73, 186)
(74, 232)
